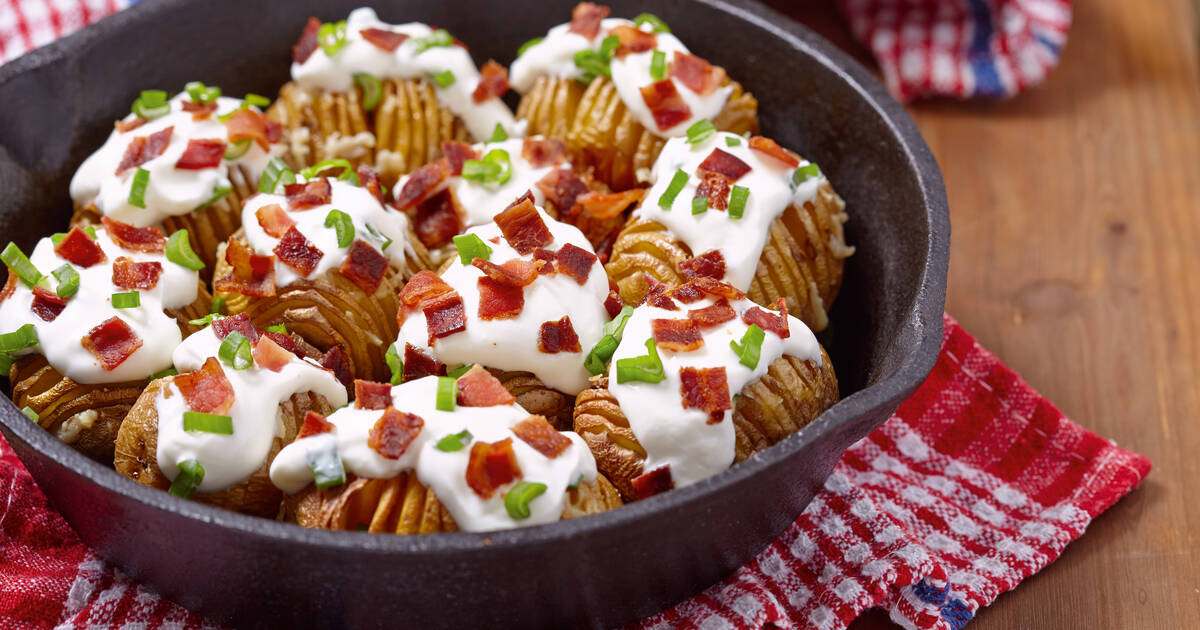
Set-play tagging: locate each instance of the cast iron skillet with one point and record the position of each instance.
(59, 104)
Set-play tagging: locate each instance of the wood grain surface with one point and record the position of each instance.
(1075, 257)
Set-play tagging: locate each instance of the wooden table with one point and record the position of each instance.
(1075, 257)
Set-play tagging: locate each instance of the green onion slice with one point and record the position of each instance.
(191, 474)
(737, 201)
(331, 37)
(498, 134)
(257, 100)
(343, 225)
(647, 368)
(372, 89)
(609, 45)
(751, 346)
(460, 370)
(201, 93)
(237, 149)
(597, 358)
(658, 65)
(218, 306)
(137, 191)
(699, 205)
(20, 265)
(678, 181)
(470, 247)
(30, 413)
(68, 281)
(592, 63)
(395, 364)
(454, 442)
(327, 469)
(527, 45)
(443, 79)
(6, 361)
(279, 329)
(151, 104)
(383, 241)
(207, 423)
(275, 176)
(206, 320)
(805, 173)
(494, 168)
(219, 193)
(348, 173)
(235, 351)
(653, 20)
(20, 339)
(700, 131)
(733, 141)
(436, 39)
(179, 251)
(164, 373)
(517, 499)
(447, 392)
(130, 299)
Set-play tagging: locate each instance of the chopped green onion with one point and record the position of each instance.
(658, 65)
(597, 358)
(700, 131)
(444, 79)
(91, 231)
(131, 299)
(327, 469)
(454, 442)
(447, 392)
(608, 45)
(460, 370)
(30, 413)
(733, 141)
(235, 351)
(527, 45)
(517, 499)
(494, 168)
(218, 306)
(137, 191)
(179, 251)
(653, 20)
(164, 373)
(699, 205)
(438, 38)
(219, 193)
(6, 362)
(395, 364)
(57, 237)
(343, 225)
(191, 474)
(151, 104)
(331, 37)
(279, 329)
(678, 181)
(470, 247)
(384, 241)
(592, 63)
(737, 201)
(68, 281)
(201, 93)
(20, 265)
(237, 149)
(805, 173)
(20, 339)
(498, 134)
(257, 100)
(616, 326)
(750, 347)
(372, 89)
(647, 368)
(206, 320)
(207, 423)
(348, 173)
(275, 176)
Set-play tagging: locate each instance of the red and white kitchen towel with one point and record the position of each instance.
(974, 484)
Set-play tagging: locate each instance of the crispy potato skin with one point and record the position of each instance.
(537, 398)
(790, 395)
(137, 447)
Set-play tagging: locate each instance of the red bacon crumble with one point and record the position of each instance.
(613, 304)
(456, 153)
(633, 40)
(422, 184)
(498, 300)
(546, 258)
(423, 285)
(513, 273)
(336, 361)
(142, 149)
(200, 111)
(654, 482)
(283, 341)
(80, 249)
(769, 147)
(46, 304)
(438, 219)
(715, 188)
(201, 154)
(10, 287)
(586, 18)
(128, 274)
(696, 74)
(537, 432)
(364, 266)
(307, 44)
(123, 126)
(704, 284)
(542, 152)
(369, 179)
(710, 264)
(718, 312)
(665, 104)
(394, 432)
(274, 220)
(608, 205)
(371, 395)
(315, 424)
(559, 336)
(250, 273)
(705, 389)
(270, 355)
(724, 163)
(148, 240)
(297, 252)
(417, 364)
(523, 227)
(444, 316)
(561, 187)
(677, 335)
(478, 388)
(576, 262)
(491, 465)
(771, 322)
(222, 326)
(493, 82)
(206, 390)
(247, 123)
(657, 294)
(383, 39)
(308, 195)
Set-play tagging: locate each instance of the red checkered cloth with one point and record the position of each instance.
(975, 483)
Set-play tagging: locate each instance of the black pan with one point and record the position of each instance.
(58, 105)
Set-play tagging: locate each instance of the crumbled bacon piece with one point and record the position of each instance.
(705, 389)
(677, 335)
(148, 240)
(283, 341)
(559, 336)
(769, 147)
(438, 219)
(586, 18)
(80, 249)
(513, 273)
(696, 74)
(417, 364)
(315, 424)
(394, 432)
(423, 285)
(247, 123)
(364, 266)
(10, 287)
(274, 220)
(250, 274)
(687, 293)
(493, 82)
(200, 111)
(561, 187)
(665, 104)
(718, 312)
(546, 258)
(491, 465)
(724, 163)
(498, 300)
(715, 188)
(336, 361)
(444, 315)
(654, 482)
(297, 252)
(222, 326)
(383, 39)
(270, 355)
(633, 40)
(371, 395)
(456, 153)
(142, 149)
(710, 264)
(768, 321)
(206, 390)
(422, 184)
(537, 432)
(576, 262)
(274, 131)
(307, 44)
(704, 284)
(478, 388)
(608, 205)
(657, 295)
(317, 192)
(369, 178)
(200, 154)
(46, 304)
(613, 303)
(523, 227)
(123, 126)
(128, 274)
(541, 152)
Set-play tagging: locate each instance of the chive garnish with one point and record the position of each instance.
(700, 131)
(470, 247)
(20, 265)
(494, 168)
(207, 423)
(206, 320)
(179, 251)
(678, 181)
(279, 329)
(737, 201)
(237, 149)
(652, 20)
(331, 37)
(137, 191)
(30, 413)
(372, 89)
(608, 45)
(235, 351)
(527, 45)
(447, 391)
(347, 175)
(597, 358)
(443, 79)
(517, 499)
(201, 93)
(699, 205)
(164, 373)
(68, 281)
(151, 104)
(130, 299)
(454, 442)
(257, 100)
(217, 307)
(327, 469)
(460, 370)
(275, 176)
(341, 223)
(750, 347)
(383, 241)
(498, 134)
(733, 141)
(438, 38)
(658, 65)
(805, 173)
(592, 63)
(20, 339)
(395, 364)
(647, 368)
(191, 474)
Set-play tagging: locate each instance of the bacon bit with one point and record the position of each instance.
(251, 274)
(147, 240)
(559, 336)
(122, 126)
(444, 316)
(542, 152)
(336, 361)
(576, 262)
(498, 300)
(717, 313)
(297, 252)
(633, 40)
(491, 465)
(665, 103)
(657, 294)
(80, 249)
(308, 195)
(315, 424)
(605, 246)
(613, 304)
(513, 273)
(372, 395)
(241, 323)
(270, 355)
(394, 432)
(142, 149)
(10, 287)
(677, 335)
(274, 220)
(537, 432)
(369, 179)
(46, 304)
(478, 388)
(710, 264)
(656, 481)
(696, 74)
(307, 44)
(715, 188)
(772, 322)
(523, 227)
(456, 153)
(135, 275)
(586, 18)
(704, 284)
(364, 266)
(274, 131)
(247, 123)
(422, 184)
(705, 389)
(417, 364)
(200, 111)
(206, 390)
(424, 285)
(383, 39)
(771, 148)
(283, 341)
(546, 259)
(609, 205)
(724, 163)
(201, 154)
(438, 219)
(493, 82)
(561, 187)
